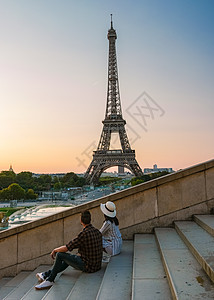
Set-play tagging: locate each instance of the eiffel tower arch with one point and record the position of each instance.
(104, 157)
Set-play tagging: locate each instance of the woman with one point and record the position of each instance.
(112, 240)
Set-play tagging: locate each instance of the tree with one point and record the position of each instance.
(7, 178)
(57, 186)
(81, 181)
(16, 192)
(30, 194)
(25, 180)
(43, 183)
(69, 180)
(108, 180)
(4, 194)
(147, 177)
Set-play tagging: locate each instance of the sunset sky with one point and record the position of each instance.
(53, 81)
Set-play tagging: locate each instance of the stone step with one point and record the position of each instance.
(149, 279)
(186, 278)
(4, 280)
(63, 285)
(206, 222)
(60, 289)
(12, 283)
(116, 283)
(21, 289)
(138, 272)
(87, 285)
(200, 243)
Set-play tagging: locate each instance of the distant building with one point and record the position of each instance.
(80, 174)
(50, 174)
(115, 174)
(11, 169)
(109, 174)
(120, 169)
(156, 169)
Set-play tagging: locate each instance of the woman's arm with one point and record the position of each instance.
(105, 227)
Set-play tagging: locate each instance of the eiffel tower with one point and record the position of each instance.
(103, 157)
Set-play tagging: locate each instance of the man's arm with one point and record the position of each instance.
(59, 249)
(77, 242)
(70, 246)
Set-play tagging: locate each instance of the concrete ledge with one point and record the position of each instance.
(170, 178)
(209, 176)
(166, 220)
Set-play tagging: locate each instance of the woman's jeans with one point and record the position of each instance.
(63, 260)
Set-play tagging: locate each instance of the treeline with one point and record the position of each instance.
(15, 192)
(147, 177)
(108, 180)
(31, 185)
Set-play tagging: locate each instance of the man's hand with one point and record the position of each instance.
(60, 249)
(53, 254)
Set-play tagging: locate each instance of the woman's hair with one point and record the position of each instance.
(112, 220)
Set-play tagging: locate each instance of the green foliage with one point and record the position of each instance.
(7, 178)
(44, 182)
(25, 180)
(13, 192)
(80, 182)
(9, 210)
(147, 177)
(16, 192)
(108, 180)
(4, 194)
(30, 194)
(72, 180)
(57, 186)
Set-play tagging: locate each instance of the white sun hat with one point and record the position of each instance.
(109, 209)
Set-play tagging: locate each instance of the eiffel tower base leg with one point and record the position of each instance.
(108, 159)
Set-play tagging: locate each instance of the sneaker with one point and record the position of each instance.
(44, 285)
(105, 259)
(40, 277)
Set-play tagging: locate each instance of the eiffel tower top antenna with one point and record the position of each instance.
(111, 22)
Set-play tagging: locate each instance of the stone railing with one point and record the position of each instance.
(139, 209)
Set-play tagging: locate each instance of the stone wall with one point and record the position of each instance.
(156, 203)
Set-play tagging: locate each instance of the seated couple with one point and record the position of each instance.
(90, 243)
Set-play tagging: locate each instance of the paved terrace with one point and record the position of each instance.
(155, 204)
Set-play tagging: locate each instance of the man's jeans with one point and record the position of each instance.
(63, 260)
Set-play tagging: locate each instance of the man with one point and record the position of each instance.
(89, 244)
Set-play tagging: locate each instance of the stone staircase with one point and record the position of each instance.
(172, 263)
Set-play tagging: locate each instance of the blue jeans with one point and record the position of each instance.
(63, 260)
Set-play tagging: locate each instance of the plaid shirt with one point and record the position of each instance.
(89, 244)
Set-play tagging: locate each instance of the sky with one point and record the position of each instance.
(53, 81)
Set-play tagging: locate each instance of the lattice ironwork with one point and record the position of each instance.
(103, 157)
